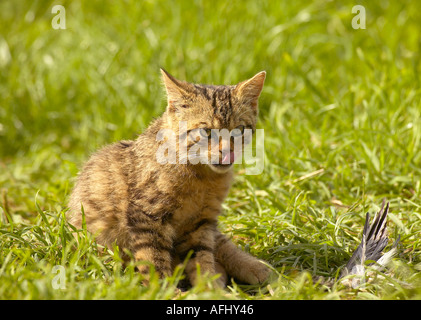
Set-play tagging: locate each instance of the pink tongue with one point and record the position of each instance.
(228, 158)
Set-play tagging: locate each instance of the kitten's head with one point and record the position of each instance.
(201, 108)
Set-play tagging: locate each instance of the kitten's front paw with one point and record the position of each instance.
(256, 272)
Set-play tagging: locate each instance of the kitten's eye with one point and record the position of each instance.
(237, 132)
(184, 106)
(205, 133)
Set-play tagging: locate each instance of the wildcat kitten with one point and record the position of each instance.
(159, 212)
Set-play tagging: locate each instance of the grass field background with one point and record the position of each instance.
(341, 110)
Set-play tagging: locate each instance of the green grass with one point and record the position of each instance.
(341, 110)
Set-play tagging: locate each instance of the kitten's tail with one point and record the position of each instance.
(374, 240)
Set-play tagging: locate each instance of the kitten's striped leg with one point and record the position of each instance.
(201, 240)
(152, 241)
(239, 264)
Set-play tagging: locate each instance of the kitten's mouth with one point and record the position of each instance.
(218, 165)
(220, 168)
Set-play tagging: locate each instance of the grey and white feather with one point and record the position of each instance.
(374, 240)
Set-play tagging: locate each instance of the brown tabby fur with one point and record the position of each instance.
(159, 212)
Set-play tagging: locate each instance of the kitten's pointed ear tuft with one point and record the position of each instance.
(249, 91)
(172, 85)
(175, 89)
(166, 76)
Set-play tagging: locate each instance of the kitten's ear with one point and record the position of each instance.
(176, 90)
(249, 91)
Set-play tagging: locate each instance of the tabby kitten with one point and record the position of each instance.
(161, 212)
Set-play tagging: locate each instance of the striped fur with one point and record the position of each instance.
(163, 212)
